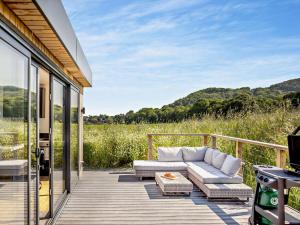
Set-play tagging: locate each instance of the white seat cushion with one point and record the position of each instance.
(231, 165)
(192, 154)
(13, 164)
(208, 155)
(208, 174)
(218, 159)
(153, 165)
(169, 154)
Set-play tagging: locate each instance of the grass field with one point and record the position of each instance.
(108, 146)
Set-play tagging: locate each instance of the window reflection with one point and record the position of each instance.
(74, 149)
(13, 136)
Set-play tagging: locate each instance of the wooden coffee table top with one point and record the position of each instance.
(180, 179)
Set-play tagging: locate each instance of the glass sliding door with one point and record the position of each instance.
(58, 143)
(74, 137)
(13, 136)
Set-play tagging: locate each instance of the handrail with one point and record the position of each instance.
(252, 142)
(171, 134)
(281, 150)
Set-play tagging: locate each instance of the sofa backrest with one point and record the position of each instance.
(226, 163)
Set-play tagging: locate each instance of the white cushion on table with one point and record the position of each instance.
(153, 165)
(231, 165)
(218, 159)
(208, 155)
(169, 154)
(208, 174)
(193, 153)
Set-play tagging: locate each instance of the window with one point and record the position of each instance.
(74, 137)
(13, 135)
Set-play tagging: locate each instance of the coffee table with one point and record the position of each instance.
(179, 186)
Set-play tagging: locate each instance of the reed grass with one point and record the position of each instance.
(117, 145)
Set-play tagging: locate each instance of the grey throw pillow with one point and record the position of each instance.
(170, 154)
(193, 153)
(208, 155)
(218, 159)
(231, 165)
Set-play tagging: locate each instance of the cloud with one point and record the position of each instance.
(150, 52)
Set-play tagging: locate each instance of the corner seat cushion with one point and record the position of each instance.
(153, 165)
(208, 174)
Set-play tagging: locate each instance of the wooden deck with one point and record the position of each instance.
(112, 197)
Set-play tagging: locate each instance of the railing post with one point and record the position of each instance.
(213, 142)
(239, 150)
(280, 158)
(239, 154)
(150, 147)
(205, 140)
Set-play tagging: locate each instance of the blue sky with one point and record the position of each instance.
(147, 53)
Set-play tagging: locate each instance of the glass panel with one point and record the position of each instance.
(13, 136)
(44, 159)
(33, 142)
(58, 142)
(74, 137)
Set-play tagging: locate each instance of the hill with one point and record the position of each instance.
(224, 102)
(287, 86)
(274, 91)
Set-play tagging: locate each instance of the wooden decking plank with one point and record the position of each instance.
(107, 197)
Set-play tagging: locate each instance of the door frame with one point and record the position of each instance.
(66, 137)
(37, 139)
(69, 181)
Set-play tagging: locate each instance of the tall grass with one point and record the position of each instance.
(109, 146)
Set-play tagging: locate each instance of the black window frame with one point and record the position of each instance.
(15, 39)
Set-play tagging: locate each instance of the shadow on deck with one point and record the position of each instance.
(112, 197)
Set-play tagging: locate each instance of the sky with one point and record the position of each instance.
(148, 53)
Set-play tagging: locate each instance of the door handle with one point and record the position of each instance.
(37, 152)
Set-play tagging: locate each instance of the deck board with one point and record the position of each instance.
(108, 197)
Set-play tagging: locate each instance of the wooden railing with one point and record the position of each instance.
(281, 150)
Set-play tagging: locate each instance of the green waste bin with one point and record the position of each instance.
(268, 199)
(265, 221)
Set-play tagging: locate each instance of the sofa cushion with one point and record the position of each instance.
(218, 159)
(208, 174)
(193, 153)
(208, 155)
(170, 154)
(153, 165)
(231, 165)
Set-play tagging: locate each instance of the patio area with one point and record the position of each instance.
(118, 197)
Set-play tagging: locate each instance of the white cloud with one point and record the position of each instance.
(149, 53)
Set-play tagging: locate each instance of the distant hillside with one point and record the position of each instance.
(287, 86)
(225, 102)
(274, 91)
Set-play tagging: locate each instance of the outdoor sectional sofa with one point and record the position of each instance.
(213, 171)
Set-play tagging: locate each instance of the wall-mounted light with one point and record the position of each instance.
(83, 110)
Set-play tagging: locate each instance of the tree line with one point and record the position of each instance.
(240, 104)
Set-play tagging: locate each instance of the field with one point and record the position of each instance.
(117, 145)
